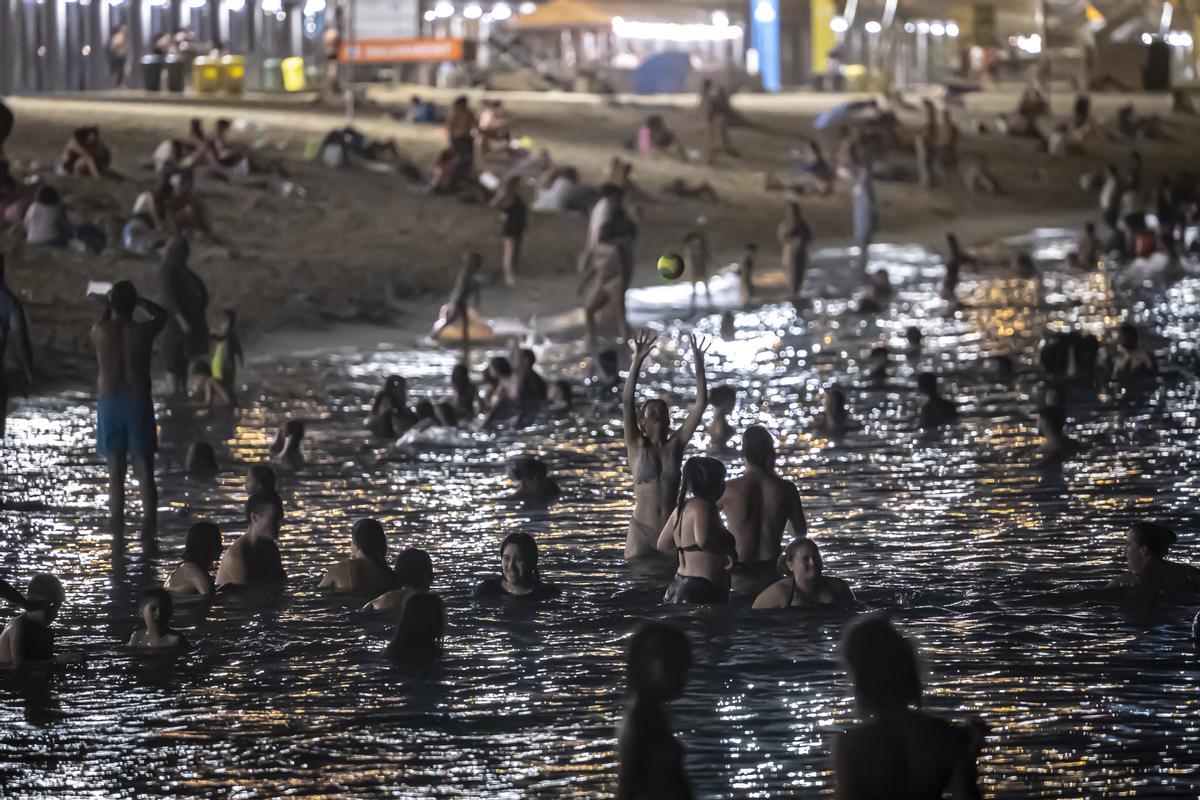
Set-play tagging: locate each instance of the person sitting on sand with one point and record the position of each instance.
(366, 571)
(519, 575)
(287, 451)
(1149, 570)
(706, 551)
(1056, 446)
(260, 478)
(650, 759)
(252, 561)
(534, 484)
(654, 452)
(806, 584)
(207, 390)
(723, 400)
(794, 236)
(900, 750)
(413, 572)
(45, 220)
(28, 637)
(201, 550)
(935, 409)
(419, 630)
(655, 138)
(156, 608)
(85, 155)
(390, 414)
(835, 420)
(761, 504)
(1128, 360)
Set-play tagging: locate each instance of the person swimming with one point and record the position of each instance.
(899, 751)
(1128, 360)
(705, 549)
(1056, 446)
(414, 574)
(534, 485)
(560, 398)
(419, 630)
(650, 759)
(260, 478)
(723, 400)
(464, 395)
(655, 454)
(253, 561)
(935, 409)
(760, 505)
(28, 637)
(390, 415)
(805, 584)
(1146, 548)
(519, 575)
(156, 608)
(913, 339)
(201, 461)
(287, 450)
(835, 420)
(201, 550)
(878, 364)
(366, 571)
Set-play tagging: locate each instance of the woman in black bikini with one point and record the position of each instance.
(519, 576)
(805, 585)
(706, 550)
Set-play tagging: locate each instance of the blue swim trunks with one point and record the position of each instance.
(125, 425)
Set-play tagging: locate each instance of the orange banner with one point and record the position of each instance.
(366, 51)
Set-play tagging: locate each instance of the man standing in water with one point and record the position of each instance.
(12, 323)
(125, 424)
(252, 561)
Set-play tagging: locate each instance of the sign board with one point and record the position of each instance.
(386, 19)
(390, 51)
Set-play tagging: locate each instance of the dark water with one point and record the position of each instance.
(988, 561)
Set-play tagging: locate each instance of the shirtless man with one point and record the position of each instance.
(125, 427)
(12, 323)
(758, 507)
(252, 561)
(27, 637)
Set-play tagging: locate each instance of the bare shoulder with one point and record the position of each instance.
(774, 596)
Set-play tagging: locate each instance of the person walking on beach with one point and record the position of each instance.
(125, 425)
(12, 323)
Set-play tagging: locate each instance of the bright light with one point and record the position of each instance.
(838, 25)
(937, 29)
(430, 16)
(873, 27)
(501, 12)
(674, 32)
(272, 6)
(197, 3)
(922, 27)
(313, 7)
(1147, 38)
(1179, 39)
(443, 10)
(234, 5)
(527, 8)
(1168, 12)
(910, 28)
(1030, 44)
(87, 48)
(764, 12)
(472, 12)
(720, 19)
(752, 65)
(952, 29)
(158, 3)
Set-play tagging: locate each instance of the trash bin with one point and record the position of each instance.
(206, 74)
(176, 73)
(293, 74)
(233, 74)
(152, 68)
(272, 75)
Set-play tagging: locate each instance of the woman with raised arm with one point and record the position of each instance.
(655, 453)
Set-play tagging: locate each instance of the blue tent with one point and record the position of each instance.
(663, 73)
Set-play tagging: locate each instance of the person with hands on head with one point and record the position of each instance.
(655, 453)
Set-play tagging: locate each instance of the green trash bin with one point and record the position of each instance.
(152, 69)
(176, 73)
(272, 74)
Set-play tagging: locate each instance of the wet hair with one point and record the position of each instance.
(702, 477)
(500, 366)
(882, 664)
(913, 334)
(1128, 336)
(722, 396)
(793, 548)
(424, 409)
(526, 357)
(445, 414)
(1154, 537)
(369, 539)
(460, 377)
(260, 502)
(1054, 416)
(662, 404)
(927, 383)
(166, 605)
(202, 459)
(47, 195)
(527, 468)
(526, 547)
(758, 447)
(656, 651)
(294, 427)
(46, 590)
(260, 478)
(123, 298)
(203, 543)
(420, 628)
(414, 568)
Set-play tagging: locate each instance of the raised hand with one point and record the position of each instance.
(643, 343)
(699, 347)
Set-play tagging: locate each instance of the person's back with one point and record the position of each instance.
(758, 506)
(904, 755)
(124, 347)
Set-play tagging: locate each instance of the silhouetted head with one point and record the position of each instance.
(1128, 337)
(882, 665)
(424, 410)
(499, 368)
(264, 514)
(518, 559)
(1146, 542)
(913, 335)
(527, 469)
(606, 362)
(722, 398)
(414, 568)
(396, 388)
(758, 448)
(203, 544)
(123, 299)
(47, 195)
(1051, 420)
(260, 478)
(460, 378)
(369, 541)
(657, 663)
(202, 460)
(927, 384)
(156, 606)
(702, 477)
(46, 593)
(461, 102)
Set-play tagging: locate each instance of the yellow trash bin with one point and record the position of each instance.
(856, 77)
(206, 74)
(233, 74)
(293, 74)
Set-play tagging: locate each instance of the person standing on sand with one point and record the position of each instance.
(125, 424)
(514, 216)
(12, 323)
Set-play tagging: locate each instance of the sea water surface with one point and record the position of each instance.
(988, 561)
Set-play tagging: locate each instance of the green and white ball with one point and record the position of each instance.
(670, 266)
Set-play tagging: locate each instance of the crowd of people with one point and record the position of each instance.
(743, 537)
